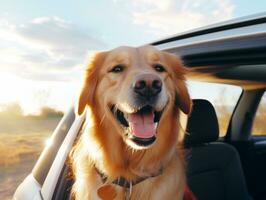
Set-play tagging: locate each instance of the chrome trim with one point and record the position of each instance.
(254, 30)
(51, 180)
(241, 22)
(29, 189)
(45, 160)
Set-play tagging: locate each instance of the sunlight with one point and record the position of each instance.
(17, 90)
(48, 141)
(9, 86)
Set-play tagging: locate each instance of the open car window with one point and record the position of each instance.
(259, 127)
(223, 97)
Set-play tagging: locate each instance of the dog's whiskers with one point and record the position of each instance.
(102, 118)
(115, 109)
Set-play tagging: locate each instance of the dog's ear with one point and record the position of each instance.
(182, 97)
(87, 92)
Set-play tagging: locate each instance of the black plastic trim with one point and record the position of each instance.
(237, 51)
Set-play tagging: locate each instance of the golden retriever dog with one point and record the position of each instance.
(131, 147)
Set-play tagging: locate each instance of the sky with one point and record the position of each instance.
(44, 44)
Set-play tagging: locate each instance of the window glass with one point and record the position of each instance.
(259, 127)
(223, 97)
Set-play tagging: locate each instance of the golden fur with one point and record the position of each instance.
(102, 144)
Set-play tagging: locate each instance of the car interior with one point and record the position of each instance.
(214, 169)
(233, 166)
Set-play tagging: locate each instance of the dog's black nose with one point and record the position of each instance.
(147, 85)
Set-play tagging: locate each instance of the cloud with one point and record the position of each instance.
(173, 16)
(48, 48)
(44, 48)
(44, 55)
(58, 37)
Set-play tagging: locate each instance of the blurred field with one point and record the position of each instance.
(22, 139)
(259, 128)
(224, 113)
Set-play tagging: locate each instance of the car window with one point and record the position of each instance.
(222, 96)
(259, 127)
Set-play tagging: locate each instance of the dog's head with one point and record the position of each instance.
(132, 88)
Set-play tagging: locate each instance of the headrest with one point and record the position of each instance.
(202, 126)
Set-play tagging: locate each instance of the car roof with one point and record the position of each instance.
(232, 52)
(234, 23)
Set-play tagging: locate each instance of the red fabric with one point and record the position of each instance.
(188, 195)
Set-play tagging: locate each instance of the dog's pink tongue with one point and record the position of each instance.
(142, 126)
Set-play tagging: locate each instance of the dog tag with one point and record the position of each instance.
(107, 192)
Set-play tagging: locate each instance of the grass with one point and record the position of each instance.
(21, 142)
(13, 147)
(258, 128)
(18, 153)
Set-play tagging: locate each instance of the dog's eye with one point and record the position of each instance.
(117, 69)
(159, 68)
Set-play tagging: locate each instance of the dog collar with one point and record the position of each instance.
(123, 182)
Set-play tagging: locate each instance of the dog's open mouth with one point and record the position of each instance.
(140, 126)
